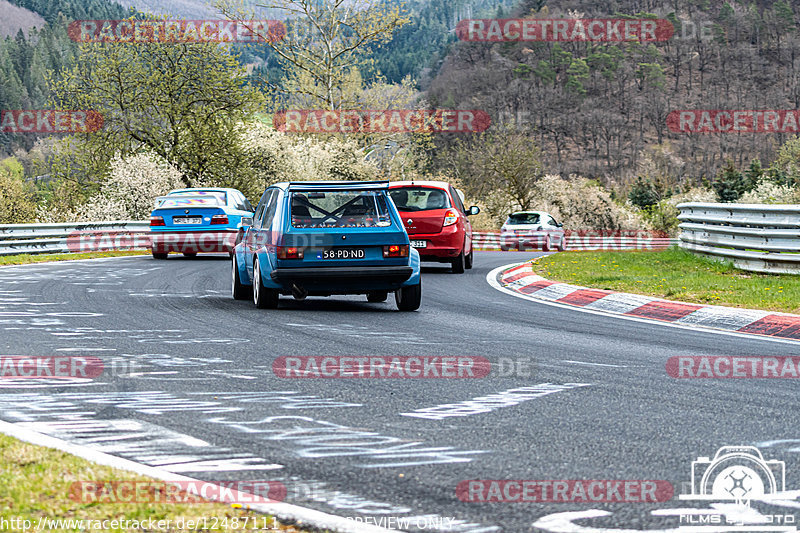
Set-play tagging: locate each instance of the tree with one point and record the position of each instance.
(17, 200)
(183, 102)
(643, 194)
(502, 161)
(786, 167)
(730, 183)
(324, 40)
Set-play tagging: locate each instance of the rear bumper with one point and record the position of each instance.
(199, 241)
(445, 245)
(345, 275)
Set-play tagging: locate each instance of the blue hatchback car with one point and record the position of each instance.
(326, 238)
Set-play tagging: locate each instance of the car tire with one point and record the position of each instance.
(562, 244)
(239, 291)
(160, 256)
(469, 259)
(377, 297)
(504, 248)
(546, 245)
(190, 255)
(409, 298)
(263, 297)
(459, 263)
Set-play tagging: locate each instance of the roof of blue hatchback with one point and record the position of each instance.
(332, 185)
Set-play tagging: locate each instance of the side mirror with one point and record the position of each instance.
(247, 222)
(474, 210)
(559, 224)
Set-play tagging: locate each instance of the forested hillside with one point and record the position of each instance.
(15, 18)
(597, 109)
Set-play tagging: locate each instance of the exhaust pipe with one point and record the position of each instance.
(299, 293)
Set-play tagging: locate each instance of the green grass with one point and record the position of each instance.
(25, 259)
(674, 274)
(35, 482)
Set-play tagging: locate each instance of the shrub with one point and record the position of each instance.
(663, 216)
(786, 167)
(768, 192)
(578, 203)
(730, 183)
(643, 194)
(131, 189)
(276, 156)
(17, 199)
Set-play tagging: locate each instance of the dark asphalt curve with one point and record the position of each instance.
(189, 387)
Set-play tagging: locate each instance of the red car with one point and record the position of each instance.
(436, 221)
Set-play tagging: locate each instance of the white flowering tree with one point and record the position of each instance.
(131, 189)
(277, 156)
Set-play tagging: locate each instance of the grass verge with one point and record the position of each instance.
(25, 259)
(35, 482)
(674, 274)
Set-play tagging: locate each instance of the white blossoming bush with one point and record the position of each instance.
(580, 204)
(768, 192)
(277, 156)
(131, 189)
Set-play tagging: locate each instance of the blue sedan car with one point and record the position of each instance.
(189, 221)
(326, 238)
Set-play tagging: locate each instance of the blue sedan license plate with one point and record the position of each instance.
(343, 253)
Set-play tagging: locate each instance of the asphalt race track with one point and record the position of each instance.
(193, 391)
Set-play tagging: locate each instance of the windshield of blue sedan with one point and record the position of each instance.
(340, 209)
(193, 198)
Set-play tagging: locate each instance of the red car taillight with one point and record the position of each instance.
(451, 217)
(219, 219)
(395, 250)
(290, 252)
(157, 221)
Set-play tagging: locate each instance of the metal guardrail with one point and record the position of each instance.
(588, 240)
(18, 239)
(755, 237)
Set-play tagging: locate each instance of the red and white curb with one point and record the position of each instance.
(285, 512)
(520, 280)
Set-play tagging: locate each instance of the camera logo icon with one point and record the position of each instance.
(737, 473)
